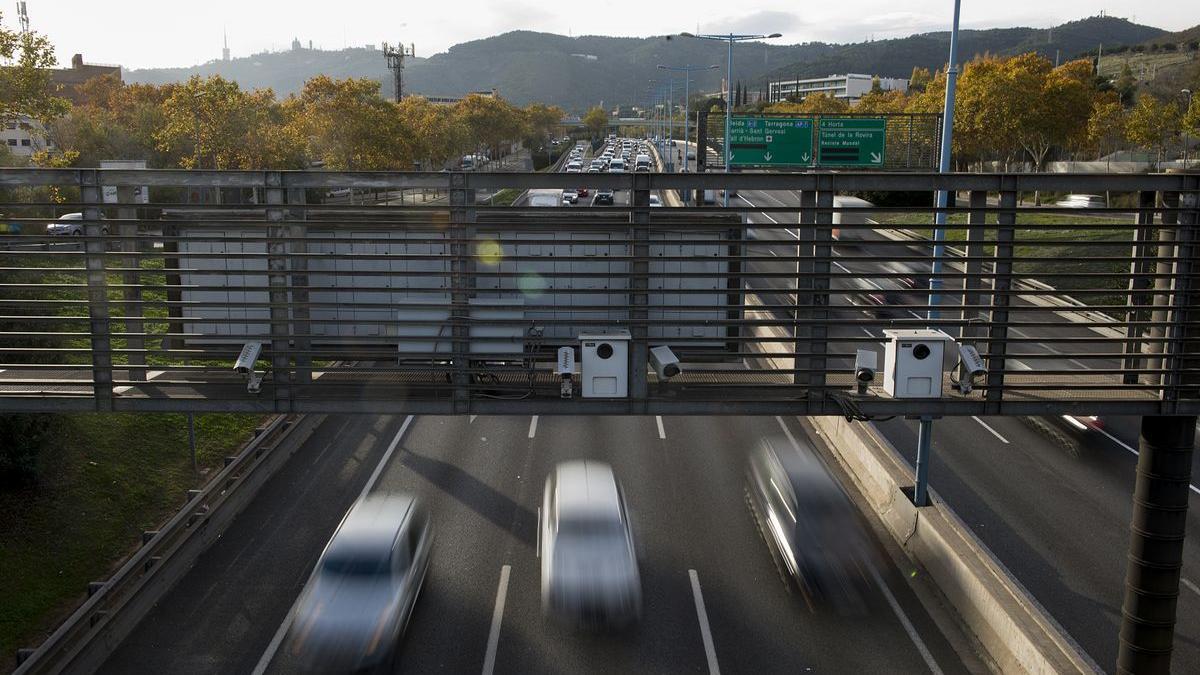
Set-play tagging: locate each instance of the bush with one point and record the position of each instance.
(22, 438)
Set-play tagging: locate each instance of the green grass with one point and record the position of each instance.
(1039, 260)
(107, 478)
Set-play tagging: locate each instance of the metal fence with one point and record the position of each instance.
(453, 306)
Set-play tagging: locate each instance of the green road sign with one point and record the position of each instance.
(770, 141)
(851, 141)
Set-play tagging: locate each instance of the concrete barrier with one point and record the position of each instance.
(1017, 633)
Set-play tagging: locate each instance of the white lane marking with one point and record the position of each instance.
(908, 627)
(771, 251)
(273, 647)
(788, 432)
(994, 432)
(489, 661)
(1075, 362)
(533, 426)
(1135, 452)
(662, 433)
(1190, 586)
(472, 420)
(387, 455)
(709, 650)
(869, 333)
(795, 234)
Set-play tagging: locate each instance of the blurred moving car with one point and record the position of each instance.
(603, 198)
(1081, 202)
(589, 564)
(655, 201)
(809, 524)
(357, 603)
(570, 197)
(582, 192)
(70, 224)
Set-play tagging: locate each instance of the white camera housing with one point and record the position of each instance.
(245, 361)
(972, 367)
(866, 363)
(664, 362)
(912, 363)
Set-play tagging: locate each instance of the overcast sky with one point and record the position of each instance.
(155, 33)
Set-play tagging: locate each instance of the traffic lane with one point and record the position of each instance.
(667, 638)
(686, 500)
(467, 471)
(223, 613)
(1059, 523)
(1124, 432)
(761, 625)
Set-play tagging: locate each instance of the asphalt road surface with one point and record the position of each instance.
(1053, 502)
(482, 478)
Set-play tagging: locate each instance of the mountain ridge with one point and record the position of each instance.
(581, 71)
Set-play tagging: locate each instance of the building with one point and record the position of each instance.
(451, 100)
(850, 87)
(67, 79)
(23, 136)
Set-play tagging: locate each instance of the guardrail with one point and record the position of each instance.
(465, 304)
(115, 606)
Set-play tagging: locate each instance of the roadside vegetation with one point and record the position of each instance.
(79, 504)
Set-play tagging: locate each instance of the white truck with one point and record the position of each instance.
(545, 197)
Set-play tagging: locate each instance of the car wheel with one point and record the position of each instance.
(104, 230)
(77, 233)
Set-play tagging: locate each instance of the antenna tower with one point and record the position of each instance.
(395, 62)
(23, 16)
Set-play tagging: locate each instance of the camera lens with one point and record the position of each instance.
(920, 351)
(605, 350)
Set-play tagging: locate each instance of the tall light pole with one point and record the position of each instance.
(1187, 94)
(687, 80)
(730, 38)
(939, 218)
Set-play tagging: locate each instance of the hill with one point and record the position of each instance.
(578, 72)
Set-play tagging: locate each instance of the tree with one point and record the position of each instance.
(349, 126)
(1126, 85)
(919, 79)
(876, 85)
(1106, 125)
(1191, 119)
(437, 134)
(489, 121)
(25, 86)
(226, 128)
(596, 121)
(1153, 124)
(1054, 104)
(891, 101)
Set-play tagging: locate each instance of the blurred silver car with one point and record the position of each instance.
(589, 564)
(71, 224)
(356, 605)
(809, 524)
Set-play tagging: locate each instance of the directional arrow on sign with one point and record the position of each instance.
(805, 157)
(876, 158)
(766, 156)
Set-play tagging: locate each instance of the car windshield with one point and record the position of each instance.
(590, 527)
(357, 562)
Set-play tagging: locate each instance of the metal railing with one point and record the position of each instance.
(462, 307)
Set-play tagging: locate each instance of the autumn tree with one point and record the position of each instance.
(1055, 103)
(348, 125)
(891, 101)
(920, 79)
(1153, 124)
(25, 86)
(489, 121)
(1106, 125)
(596, 121)
(1191, 119)
(438, 135)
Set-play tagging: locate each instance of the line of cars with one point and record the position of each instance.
(356, 605)
(618, 155)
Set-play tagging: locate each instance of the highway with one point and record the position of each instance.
(1057, 517)
(482, 478)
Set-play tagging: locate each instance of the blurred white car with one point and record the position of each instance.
(589, 564)
(70, 224)
(357, 603)
(655, 201)
(1081, 202)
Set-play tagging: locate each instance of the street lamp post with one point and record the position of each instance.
(1187, 93)
(730, 38)
(687, 80)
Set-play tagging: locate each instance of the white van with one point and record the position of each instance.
(642, 164)
(616, 166)
(545, 197)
